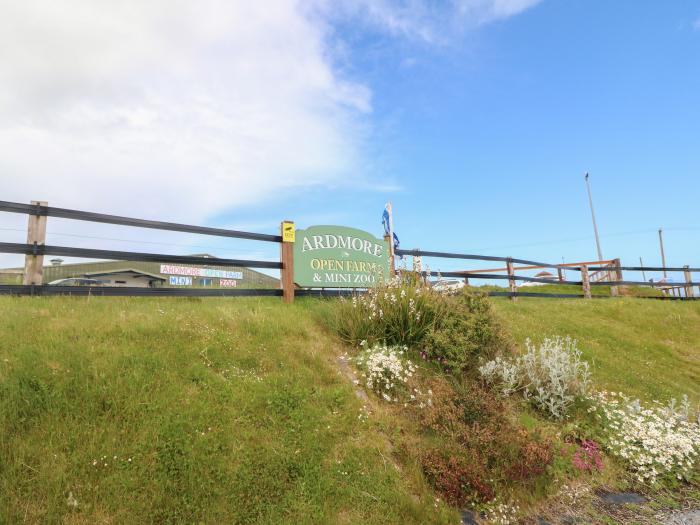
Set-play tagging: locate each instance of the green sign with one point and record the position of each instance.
(339, 257)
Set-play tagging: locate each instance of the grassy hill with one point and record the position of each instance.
(135, 410)
(646, 348)
(132, 410)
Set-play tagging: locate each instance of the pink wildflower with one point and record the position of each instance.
(587, 457)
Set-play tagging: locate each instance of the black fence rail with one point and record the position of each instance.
(647, 268)
(89, 253)
(121, 291)
(446, 255)
(496, 277)
(35, 249)
(40, 210)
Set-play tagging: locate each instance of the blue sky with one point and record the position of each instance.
(476, 118)
(487, 137)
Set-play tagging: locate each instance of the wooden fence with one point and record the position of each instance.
(36, 248)
(606, 273)
(596, 273)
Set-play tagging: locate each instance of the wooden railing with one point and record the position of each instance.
(604, 273)
(592, 273)
(36, 248)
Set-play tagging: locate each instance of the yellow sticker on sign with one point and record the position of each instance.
(288, 232)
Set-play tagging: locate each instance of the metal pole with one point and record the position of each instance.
(644, 277)
(595, 227)
(392, 260)
(562, 270)
(663, 256)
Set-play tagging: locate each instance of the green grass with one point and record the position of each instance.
(645, 348)
(235, 411)
(603, 291)
(189, 411)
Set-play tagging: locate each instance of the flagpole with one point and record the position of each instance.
(391, 235)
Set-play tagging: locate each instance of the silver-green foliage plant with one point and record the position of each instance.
(503, 374)
(552, 376)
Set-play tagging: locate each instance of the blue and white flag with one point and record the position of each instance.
(385, 222)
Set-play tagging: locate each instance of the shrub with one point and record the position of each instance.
(454, 410)
(552, 376)
(399, 312)
(458, 478)
(455, 330)
(654, 441)
(532, 461)
(466, 332)
(479, 445)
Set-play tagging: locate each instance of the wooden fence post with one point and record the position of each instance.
(287, 260)
(36, 234)
(561, 274)
(616, 276)
(511, 280)
(688, 279)
(585, 282)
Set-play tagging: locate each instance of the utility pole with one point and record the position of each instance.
(644, 277)
(595, 227)
(663, 256)
(562, 270)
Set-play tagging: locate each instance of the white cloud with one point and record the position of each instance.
(485, 11)
(413, 19)
(170, 108)
(432, 22)
(180, 110)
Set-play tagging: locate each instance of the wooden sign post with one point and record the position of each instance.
(287, 260)
(36, 234)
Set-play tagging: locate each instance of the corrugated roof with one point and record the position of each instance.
(125, 270)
